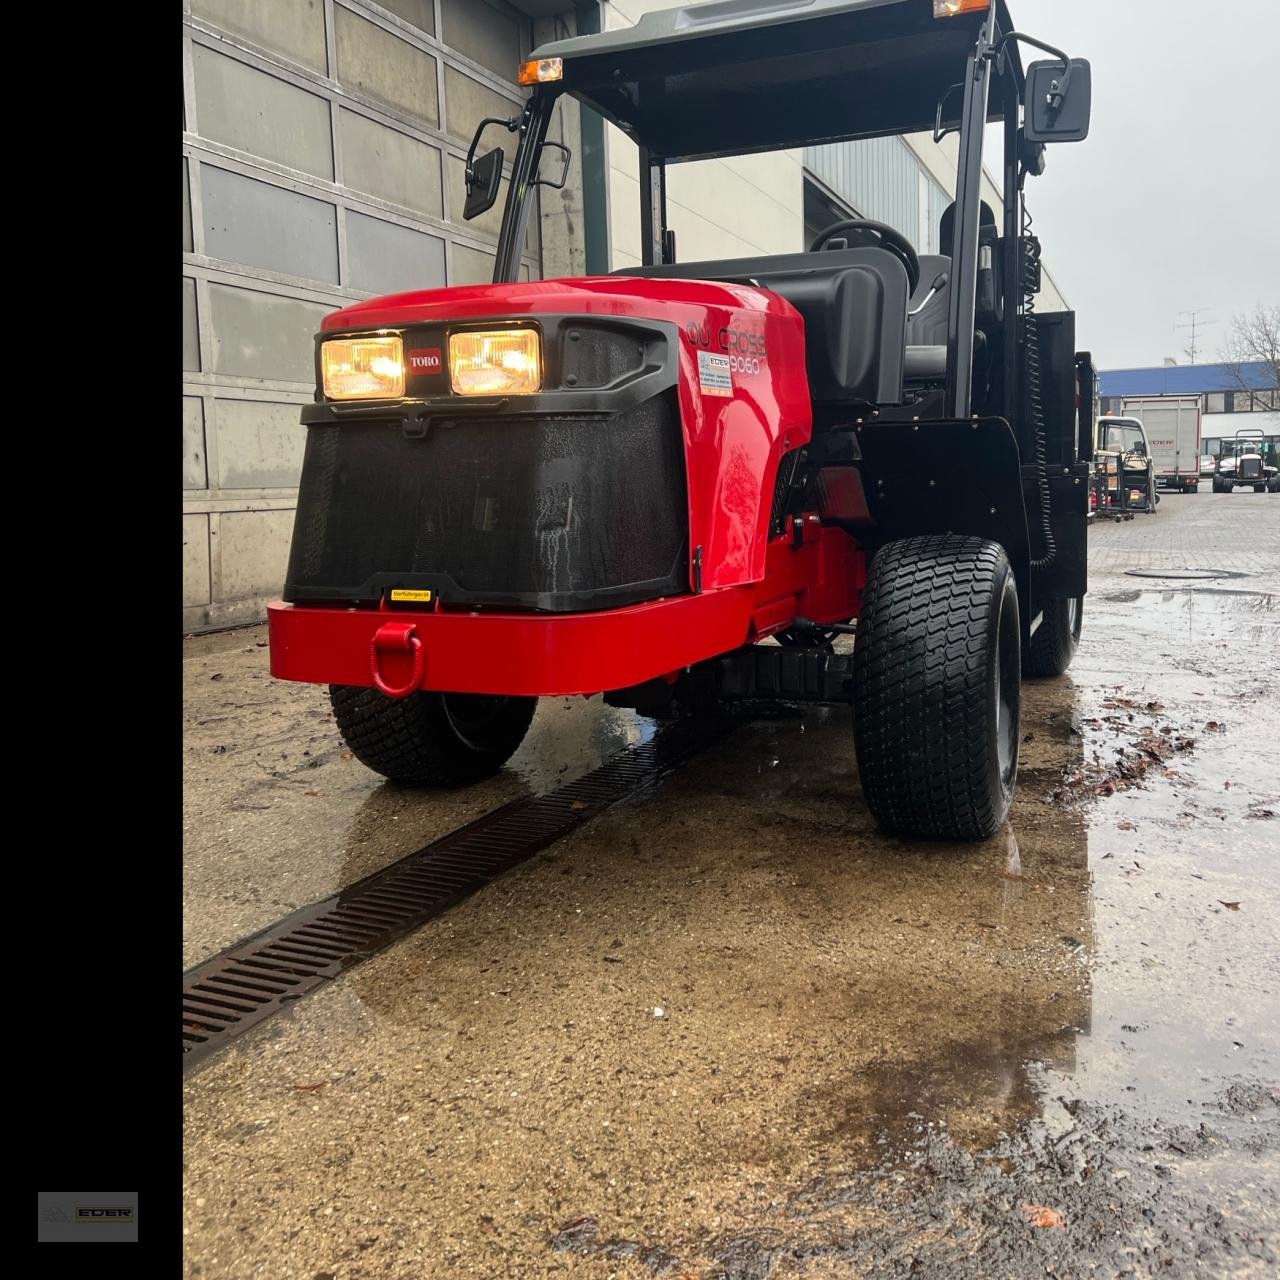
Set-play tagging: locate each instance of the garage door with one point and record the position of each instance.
(322, 163)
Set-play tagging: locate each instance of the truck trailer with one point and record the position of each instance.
(1172, 425)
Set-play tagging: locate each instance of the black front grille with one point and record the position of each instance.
(553, 512)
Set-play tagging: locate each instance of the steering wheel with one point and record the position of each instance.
(892, 240)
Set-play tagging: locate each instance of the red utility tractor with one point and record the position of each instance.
(680, 482)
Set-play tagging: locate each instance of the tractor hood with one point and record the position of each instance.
(640, 465)
(677, 301)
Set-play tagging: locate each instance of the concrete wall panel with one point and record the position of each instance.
(255, 552)
(390, 165)
(478, 31)
(259, 444)
(190, 327)
(195, 561)
(387, 258)
(419, 13)
(373, 61)
(262, 335)
(252, 111)
(471, 266)
(187, 243)
(194, 474)
(292, 27)
(266, 226)
(467, 102)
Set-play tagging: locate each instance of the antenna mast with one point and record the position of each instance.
(1195, 324)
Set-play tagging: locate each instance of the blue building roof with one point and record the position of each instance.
(1180, 380)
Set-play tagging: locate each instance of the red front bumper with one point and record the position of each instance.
(509, 653)
(549, 654)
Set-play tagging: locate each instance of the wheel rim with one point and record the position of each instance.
(1073, 617)
(1007, 689)
(471, 715)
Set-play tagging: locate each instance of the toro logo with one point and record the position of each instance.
(425, 360)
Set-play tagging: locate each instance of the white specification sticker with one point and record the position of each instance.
(714, 377)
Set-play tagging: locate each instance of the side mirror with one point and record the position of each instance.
(483, 177)
(1059, 97)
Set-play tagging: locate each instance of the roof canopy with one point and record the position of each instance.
(735, 76)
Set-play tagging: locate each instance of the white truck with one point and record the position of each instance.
(1172, 425)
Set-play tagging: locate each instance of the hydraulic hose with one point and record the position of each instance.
(1047, 549)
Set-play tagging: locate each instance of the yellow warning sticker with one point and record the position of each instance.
(409, 595)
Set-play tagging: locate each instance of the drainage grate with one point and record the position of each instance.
(244, 985)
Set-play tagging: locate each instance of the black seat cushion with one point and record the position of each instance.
(854, 304)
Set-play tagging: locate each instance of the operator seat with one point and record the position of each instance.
(854, 304)
(926, 359)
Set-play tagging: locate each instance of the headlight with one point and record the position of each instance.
(494, 362)
(363, 368)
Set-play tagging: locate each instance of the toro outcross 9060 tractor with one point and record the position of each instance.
(681, 481)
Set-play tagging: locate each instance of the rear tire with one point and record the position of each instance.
(936, 687)
(1054, 643)
(434, 738)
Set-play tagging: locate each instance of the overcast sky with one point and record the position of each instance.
(1173, 201)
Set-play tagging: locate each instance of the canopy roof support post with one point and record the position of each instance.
(653, 209)
(964, 260)
(515, 216)
(1012, 254)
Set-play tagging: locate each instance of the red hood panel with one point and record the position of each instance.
(641, 298)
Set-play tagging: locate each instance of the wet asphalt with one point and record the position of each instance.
(731, 1030)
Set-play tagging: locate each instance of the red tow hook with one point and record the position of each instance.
(396, 637)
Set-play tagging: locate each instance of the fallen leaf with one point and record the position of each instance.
(1040, 1215)
(310, 793)
(579, 805)
(217, 675)
(1125, 825)
(311, 1088)
(1230, 906)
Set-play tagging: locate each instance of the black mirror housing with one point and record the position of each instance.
(483, 178)
(1059, 99)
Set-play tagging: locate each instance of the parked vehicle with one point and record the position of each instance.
(625, 483)
(1172, 425)
(1122, 457)
(1251, 459)
(1208, 463)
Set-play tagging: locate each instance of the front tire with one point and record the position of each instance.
(1055, 640)
(440, 739)
(936, 687)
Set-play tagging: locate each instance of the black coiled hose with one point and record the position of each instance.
(1048, 549)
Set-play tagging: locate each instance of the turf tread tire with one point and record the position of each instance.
(1054, 643)
(924, 715)
(413, 739)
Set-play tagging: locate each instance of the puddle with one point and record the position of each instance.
(1184, 574)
